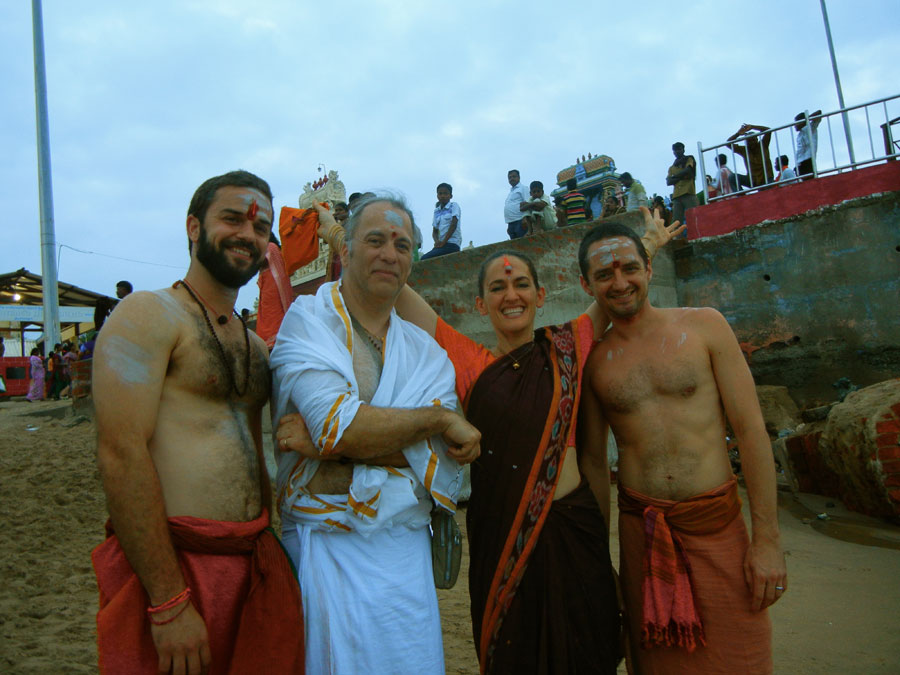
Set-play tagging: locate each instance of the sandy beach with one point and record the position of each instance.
(840, 614)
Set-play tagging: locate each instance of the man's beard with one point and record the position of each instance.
(214, 260)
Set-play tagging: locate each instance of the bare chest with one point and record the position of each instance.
(220, 367)
(630, 377)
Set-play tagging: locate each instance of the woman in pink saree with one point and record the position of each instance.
(36, 388)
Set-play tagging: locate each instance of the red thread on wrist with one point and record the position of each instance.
(171, 618)
(171, 602)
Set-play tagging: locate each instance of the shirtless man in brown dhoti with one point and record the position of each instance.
(695, 587)
(179, 384)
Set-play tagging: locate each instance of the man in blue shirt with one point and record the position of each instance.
(445, 226)
(512, 211)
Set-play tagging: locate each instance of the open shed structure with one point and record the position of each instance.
(21, 307)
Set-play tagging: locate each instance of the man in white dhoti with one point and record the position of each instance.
(384, 445)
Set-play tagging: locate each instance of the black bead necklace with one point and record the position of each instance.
(374, 340)
(193, 294)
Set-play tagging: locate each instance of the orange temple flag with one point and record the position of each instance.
(299, 241)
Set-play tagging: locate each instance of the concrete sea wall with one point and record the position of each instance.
(812, 298)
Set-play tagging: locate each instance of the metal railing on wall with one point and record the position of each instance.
(757, 147)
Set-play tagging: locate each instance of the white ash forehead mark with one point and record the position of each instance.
(662, 345)
(607, 249)
(393, 217)
(613, 250)
(682, 339)
(609, 355)
(129, 361)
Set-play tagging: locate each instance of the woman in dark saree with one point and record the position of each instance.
(541, 584)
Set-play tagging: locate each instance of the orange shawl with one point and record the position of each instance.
(299, 238)
(275, 296)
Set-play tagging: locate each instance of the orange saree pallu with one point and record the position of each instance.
(681, 567)
(242, 584)
(542, 592)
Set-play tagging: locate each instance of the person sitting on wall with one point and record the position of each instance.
(560, 212)
(611, 207)
(661, 211)
(445, 226)
(785, 174)
(710, 189)
(539, 212)
(724, 180)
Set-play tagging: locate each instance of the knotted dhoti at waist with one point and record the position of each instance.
(241, 583)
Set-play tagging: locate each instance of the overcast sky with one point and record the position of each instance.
(147, 100)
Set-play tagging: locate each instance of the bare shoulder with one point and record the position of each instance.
(142, 310)
(594, 367)
(707, 322)
(701, 318)
(144, 325)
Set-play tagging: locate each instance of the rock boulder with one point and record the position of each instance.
(861, 446)
(778, 409)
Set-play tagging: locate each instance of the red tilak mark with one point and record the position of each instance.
(616, 264)
(252, 210)
(393, 234)
(507, 266)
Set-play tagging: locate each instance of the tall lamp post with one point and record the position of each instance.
(837, 83)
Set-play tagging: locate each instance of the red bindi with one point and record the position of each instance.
(393, 233)
(507, 266)
(252, 210)
(616, 264)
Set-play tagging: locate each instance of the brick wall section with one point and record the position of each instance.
(812, 298)
(888, 452)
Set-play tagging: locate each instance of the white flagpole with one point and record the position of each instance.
(45, 187)
(837, 83)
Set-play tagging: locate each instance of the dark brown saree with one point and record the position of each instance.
(540, 580)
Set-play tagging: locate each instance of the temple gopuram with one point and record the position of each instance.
(596, 178)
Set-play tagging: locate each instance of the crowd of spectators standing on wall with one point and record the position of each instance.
(530, 211)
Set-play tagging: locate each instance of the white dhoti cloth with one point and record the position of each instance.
(369, 604)
(363, 558)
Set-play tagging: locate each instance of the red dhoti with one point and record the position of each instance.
(242, 584)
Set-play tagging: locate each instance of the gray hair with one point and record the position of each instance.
(394, 199)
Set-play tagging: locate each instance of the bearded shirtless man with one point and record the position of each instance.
(179, 384)
(695, 587)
